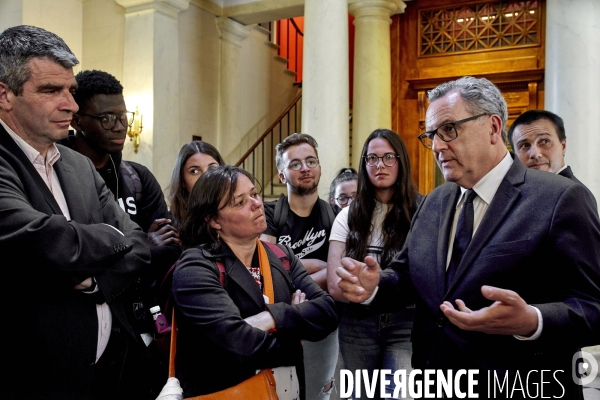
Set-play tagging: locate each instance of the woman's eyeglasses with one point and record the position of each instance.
(343, 200)
(388, 159)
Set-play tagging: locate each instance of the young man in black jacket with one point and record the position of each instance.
(100, 132)
(303, 222)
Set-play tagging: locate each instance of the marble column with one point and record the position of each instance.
(372, 95)
(151, 80)
(232, 35)
(325, 85)
(572, 82)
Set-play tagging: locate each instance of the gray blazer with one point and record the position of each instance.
(51, 330)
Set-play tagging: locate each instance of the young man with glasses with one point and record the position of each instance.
(100, 132)
(303, 221)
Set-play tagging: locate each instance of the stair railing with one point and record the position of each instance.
(259, 160)
(289, 33)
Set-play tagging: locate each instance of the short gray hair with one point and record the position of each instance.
(480, 96)
(20, 44)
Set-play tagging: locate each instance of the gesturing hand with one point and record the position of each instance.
(161, 233)
(508, 315)
(358, 280)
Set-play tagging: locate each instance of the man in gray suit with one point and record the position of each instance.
(69, 252)
(502, 261)
(539, 140)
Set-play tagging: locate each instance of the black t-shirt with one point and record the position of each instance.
(306, 236)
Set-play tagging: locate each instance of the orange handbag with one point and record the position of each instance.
(259, 387)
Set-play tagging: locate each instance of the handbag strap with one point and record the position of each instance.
(265, 271)
(173, 346)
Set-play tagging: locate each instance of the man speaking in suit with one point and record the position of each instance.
(502, 261)
(69, 253)
(539, 140)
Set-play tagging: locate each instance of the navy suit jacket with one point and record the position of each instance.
(568, 173)
(51, 330)
(539, 237)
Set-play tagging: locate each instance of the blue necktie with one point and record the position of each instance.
(462, 237)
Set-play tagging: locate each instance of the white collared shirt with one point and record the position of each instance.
(560, 170)
(486, 188)
(44, 167)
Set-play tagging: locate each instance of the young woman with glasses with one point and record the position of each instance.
(343, 188)
(375, 224)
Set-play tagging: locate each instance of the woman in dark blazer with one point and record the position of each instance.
(226, 330)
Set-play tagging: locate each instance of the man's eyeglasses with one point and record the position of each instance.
(343, 200)
(446, 132)
(388, 159)
(311, 162)
(109, 121)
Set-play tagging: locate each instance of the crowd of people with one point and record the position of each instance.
(496, 270)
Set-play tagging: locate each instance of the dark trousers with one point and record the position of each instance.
(124, 372)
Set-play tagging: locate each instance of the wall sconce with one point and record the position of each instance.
(135, 130)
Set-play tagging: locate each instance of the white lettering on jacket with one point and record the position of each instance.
(131, 207)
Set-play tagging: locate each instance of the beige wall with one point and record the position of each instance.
(95, 32)
(265, 89)
(63, 17)
(103, 36)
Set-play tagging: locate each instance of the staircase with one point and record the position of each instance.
(259, 160)
(287, 37)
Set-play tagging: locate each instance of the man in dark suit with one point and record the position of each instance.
(539, 140)
(69, 253)
(522, 297)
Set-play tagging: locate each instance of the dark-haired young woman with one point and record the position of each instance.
(194, 159)
(375, 224)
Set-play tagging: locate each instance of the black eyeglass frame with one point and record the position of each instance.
(348, 198)
(430, 134)
(305, 161)
(114, 117)
(396, 157)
